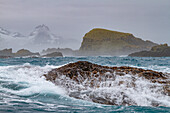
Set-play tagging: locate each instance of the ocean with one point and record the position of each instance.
(23, 89)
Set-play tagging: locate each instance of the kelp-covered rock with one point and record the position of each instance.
(112, 85)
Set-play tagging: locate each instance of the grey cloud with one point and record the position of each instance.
(147, 19)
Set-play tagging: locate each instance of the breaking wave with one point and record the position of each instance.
(23, 88)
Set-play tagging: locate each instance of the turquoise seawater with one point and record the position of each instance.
(23, 89)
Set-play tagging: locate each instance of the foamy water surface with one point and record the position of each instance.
(24, 89)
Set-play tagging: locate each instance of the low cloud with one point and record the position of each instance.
(73, 18)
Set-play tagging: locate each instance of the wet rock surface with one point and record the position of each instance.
(111, 85)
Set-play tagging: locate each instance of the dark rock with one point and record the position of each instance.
(24, 52)
(156, 51)
(64, 51)
(6, 52)
(5, 57)
(77, 78)
(55, 54)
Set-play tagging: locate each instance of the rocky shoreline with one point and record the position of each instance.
(83, 80)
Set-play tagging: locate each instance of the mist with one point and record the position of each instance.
(70, 20)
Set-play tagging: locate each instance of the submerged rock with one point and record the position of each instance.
(112, 85)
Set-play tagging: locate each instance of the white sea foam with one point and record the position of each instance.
(29, 76)
(123, 55)
(128, 89)
(143, 94)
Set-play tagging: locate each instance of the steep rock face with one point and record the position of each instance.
(111, 85)
(54, 54)
(106, 42)
(24, 52)
(6, 53)
(156, 51)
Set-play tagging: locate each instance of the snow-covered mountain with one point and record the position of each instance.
(10, 39)
(17, 34)
(40, 38)
(9, 33)
(42, 35)
(4, 31)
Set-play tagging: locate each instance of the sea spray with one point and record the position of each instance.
(27, 76)
(112, 85)
(23, 88)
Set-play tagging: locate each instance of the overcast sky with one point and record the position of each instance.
(146, 19)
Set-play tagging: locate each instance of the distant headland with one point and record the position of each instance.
(106, 42)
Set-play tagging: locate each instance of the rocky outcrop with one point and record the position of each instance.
(5, 57)
(162, 50)
(64, 51)
(24, 52)
(102, 84)
(106, 42)
(54, 54)
(6, 53)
